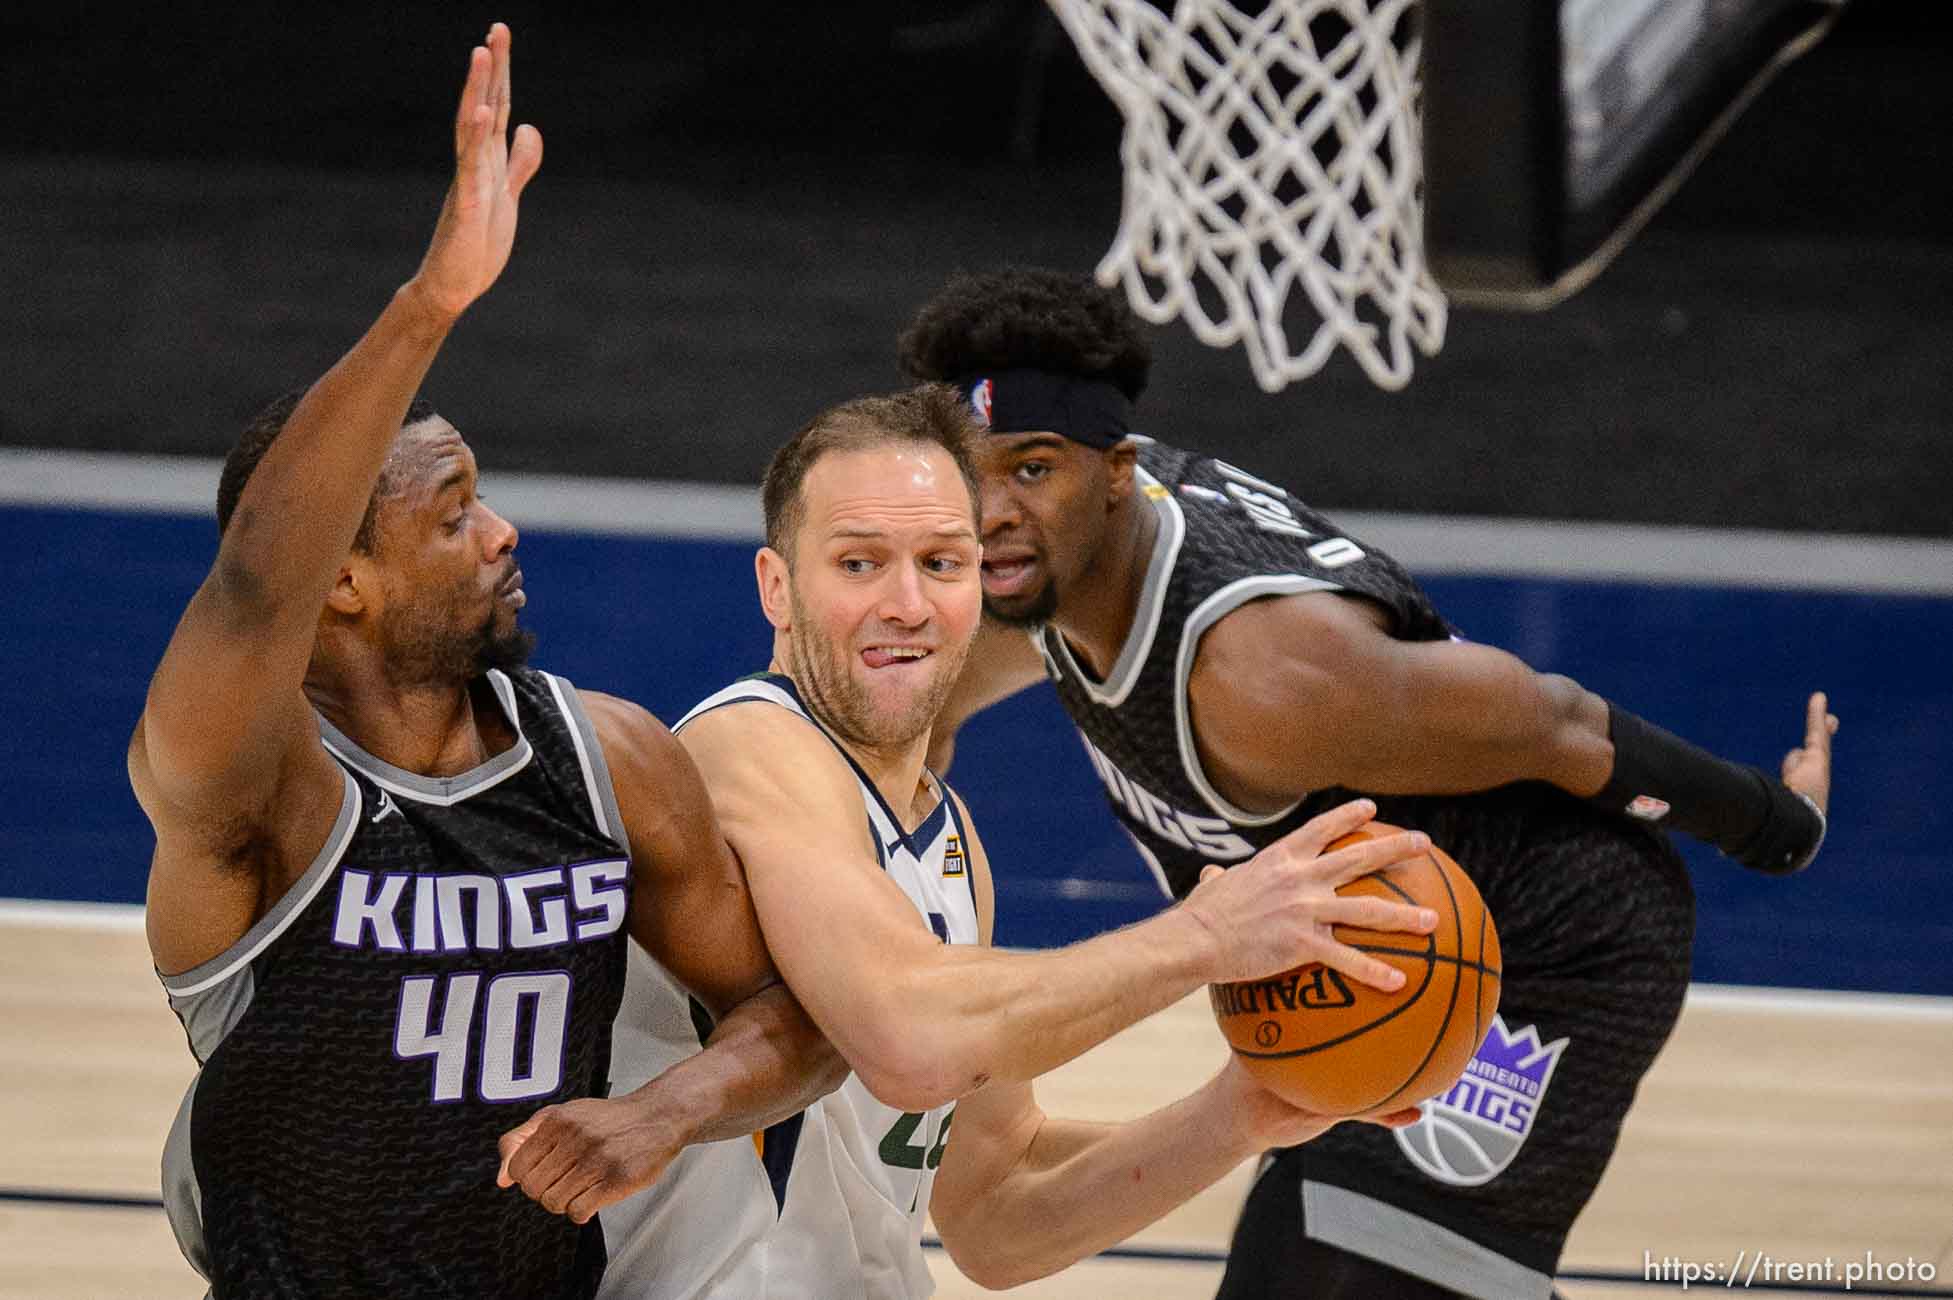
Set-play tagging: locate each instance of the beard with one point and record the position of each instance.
(1041, 609)
(843, 704)
(428, 647)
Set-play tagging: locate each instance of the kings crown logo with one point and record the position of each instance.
(1472, 1132)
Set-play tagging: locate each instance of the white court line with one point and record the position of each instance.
(58, 914)
(1426, 544)
(123, 918)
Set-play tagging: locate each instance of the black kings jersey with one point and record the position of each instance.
(449, 964)
(1224, 538)
(1594, 912)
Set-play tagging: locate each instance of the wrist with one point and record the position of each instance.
(1229, 1106)
(678, 1100)
(1192, 945)
(1744, 811)
(423, 310)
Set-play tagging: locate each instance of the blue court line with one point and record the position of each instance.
(111, 1201)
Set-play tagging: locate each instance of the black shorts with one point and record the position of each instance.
(1596, 920)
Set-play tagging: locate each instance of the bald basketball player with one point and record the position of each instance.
(394, 868)
(1235, 663)
(874, 892)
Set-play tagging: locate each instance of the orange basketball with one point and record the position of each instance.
(1328, 1044)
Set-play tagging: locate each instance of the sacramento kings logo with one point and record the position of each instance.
(1472, 1132)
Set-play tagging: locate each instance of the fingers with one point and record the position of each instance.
(512, 1142)
(474, 95)
(598, 1195)
(499, 43)
(1377, 914)
(1209, 871)
(1819, 723)
(540, 1151)
(1365, 856)
(1324, 829)
(1361, 967)
(471, 162)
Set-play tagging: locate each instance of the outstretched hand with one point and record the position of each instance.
(1807, 769)
(476, 231)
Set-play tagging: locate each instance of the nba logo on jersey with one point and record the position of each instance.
(982, 393)
(952, 855)
(1472, 1132)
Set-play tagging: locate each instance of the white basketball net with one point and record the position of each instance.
(1269, 152)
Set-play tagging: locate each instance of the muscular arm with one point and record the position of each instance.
(923, 1022)
(226, 733)
(1300, 692)
(690, 909)
(1003, 661)
(1295, 693)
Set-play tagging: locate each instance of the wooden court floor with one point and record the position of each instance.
(1792, 1127)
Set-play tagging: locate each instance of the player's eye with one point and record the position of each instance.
(1033, 470)
(855, 564)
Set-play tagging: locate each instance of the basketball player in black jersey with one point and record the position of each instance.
(1234, 662)
(394, 869)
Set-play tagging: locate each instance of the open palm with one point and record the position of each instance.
(476, 231)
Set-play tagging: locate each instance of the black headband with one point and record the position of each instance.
(1088, 411)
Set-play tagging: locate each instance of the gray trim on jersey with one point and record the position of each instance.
(590, 757)
(1126, 668)
(1209, 612)
(1377, 1230)
(182, 1195)
(443, 791)
(184, 987)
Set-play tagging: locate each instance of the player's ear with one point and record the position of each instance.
(775, 578)
(349, 590)
(1121, 458)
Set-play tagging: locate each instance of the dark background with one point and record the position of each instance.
(203, 206)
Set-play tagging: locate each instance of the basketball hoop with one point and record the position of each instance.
(1272, 176)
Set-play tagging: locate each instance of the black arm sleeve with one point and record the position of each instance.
(1748, 814)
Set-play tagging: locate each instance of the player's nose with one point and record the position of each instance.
(1000, 508)
(500, 536)
(903, 599)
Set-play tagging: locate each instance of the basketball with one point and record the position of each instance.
(1323, 1042)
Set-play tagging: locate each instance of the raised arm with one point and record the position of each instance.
(923, 1022)
(1002, 661)
(1296, 693)
(690, 909)
(226, 733)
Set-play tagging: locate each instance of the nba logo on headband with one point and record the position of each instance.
(981, 394)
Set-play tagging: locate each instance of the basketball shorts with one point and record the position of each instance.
(1596, 919)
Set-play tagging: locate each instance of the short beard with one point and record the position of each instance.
(1040, 611)
(838, 701)
(422, 655)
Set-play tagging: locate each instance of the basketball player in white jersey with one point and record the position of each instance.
(875, 897)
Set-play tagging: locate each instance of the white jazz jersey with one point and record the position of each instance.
(850, 1177)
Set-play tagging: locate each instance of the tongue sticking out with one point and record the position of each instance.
(879, 658)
